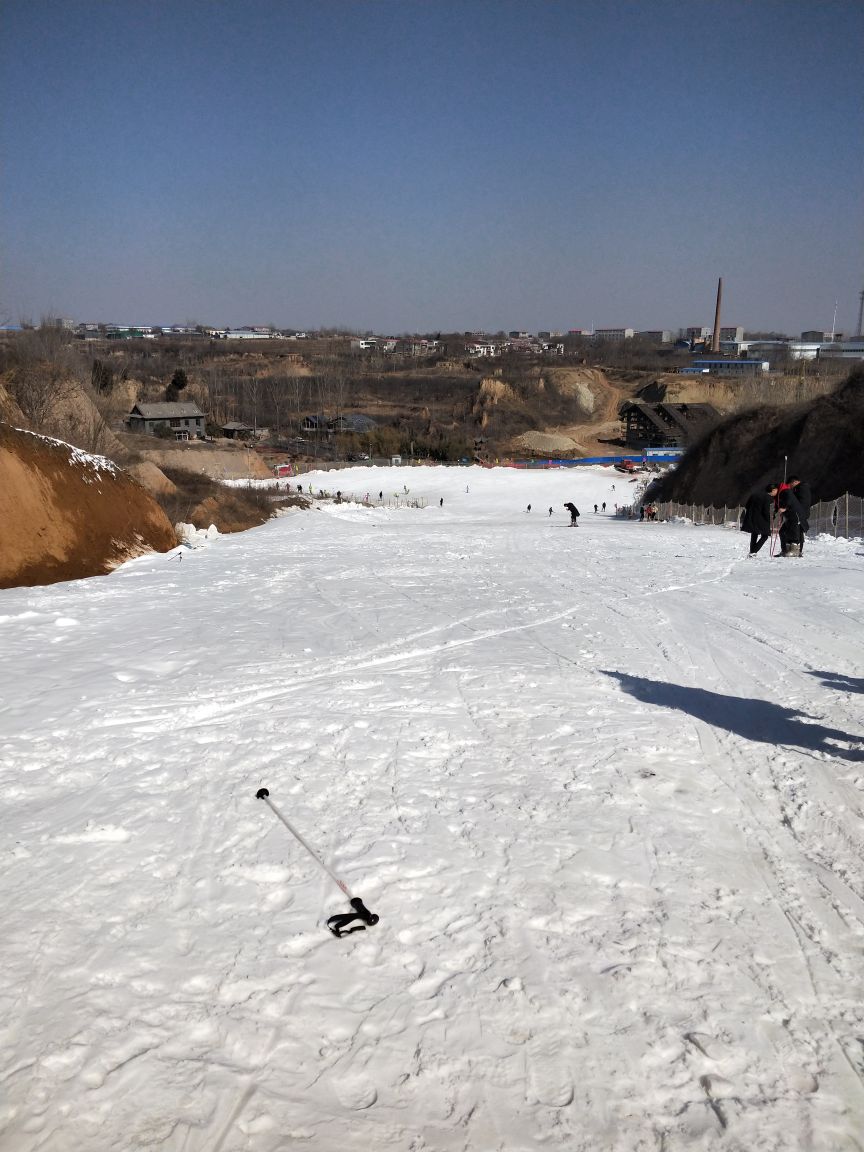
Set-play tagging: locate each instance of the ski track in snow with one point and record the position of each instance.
(604, 787)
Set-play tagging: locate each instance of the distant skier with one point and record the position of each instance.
(381, 496)
(441, 502)
(528, 509)
(603, 506)
(574, 514)
(595, 509)
(550, 510)
(756, 518)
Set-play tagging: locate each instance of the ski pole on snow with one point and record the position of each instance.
(337, 924)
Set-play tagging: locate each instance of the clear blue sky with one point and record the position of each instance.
(420, 164)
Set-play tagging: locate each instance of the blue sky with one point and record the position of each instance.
(418, 165)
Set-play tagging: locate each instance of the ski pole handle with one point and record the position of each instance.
(362, 911)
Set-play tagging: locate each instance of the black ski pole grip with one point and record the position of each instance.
(362, 911)
(262, 794)
(343, 923)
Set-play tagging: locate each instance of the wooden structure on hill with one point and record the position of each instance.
(665, 425)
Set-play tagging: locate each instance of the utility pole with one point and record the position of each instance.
(860, 332)
(715, 336)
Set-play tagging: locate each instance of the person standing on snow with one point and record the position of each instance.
(595, 509)
(550, 510)
(528, 509)
(603, 506)
(802, 494)
(574, 514)
(441, 502)
(756, 517)
(791, 518)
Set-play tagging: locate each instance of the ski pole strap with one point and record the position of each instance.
(338, 925)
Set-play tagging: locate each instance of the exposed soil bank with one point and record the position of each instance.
(823, 441)
(65, 514)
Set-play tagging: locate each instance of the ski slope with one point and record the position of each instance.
(604, 787)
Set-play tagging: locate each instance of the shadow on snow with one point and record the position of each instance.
(840, 681)
(762, 721)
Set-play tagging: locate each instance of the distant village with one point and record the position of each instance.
(754, 353)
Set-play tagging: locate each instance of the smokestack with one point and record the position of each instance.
(715, 336)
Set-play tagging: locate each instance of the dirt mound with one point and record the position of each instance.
(734, 394)
(153, 478)
(65, 514)
(222, 461)
(546, 444)
(823, 440)
(197, 499)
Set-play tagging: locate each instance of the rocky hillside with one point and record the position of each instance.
(823, 440)
(65, 513)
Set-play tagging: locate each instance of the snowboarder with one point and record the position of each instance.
(756, 518)
(574, 514)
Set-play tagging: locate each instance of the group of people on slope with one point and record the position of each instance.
(783, 508)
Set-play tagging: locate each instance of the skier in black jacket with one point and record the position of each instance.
(791, 520)
(574, 514)
(802, 494)
(756, 518)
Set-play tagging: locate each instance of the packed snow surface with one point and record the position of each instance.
(603, 786)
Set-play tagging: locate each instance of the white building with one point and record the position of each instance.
(842, 350)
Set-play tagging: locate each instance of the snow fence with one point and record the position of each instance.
(841, 517)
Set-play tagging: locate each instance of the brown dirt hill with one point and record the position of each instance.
(9, 410)
(65, 514)
(728, 394)
(224, 460)
(823, 439)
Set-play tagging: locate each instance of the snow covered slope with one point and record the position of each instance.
(603, 786)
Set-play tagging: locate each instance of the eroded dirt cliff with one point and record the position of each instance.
(65, 513)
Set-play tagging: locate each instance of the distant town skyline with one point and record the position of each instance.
(397, 167)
